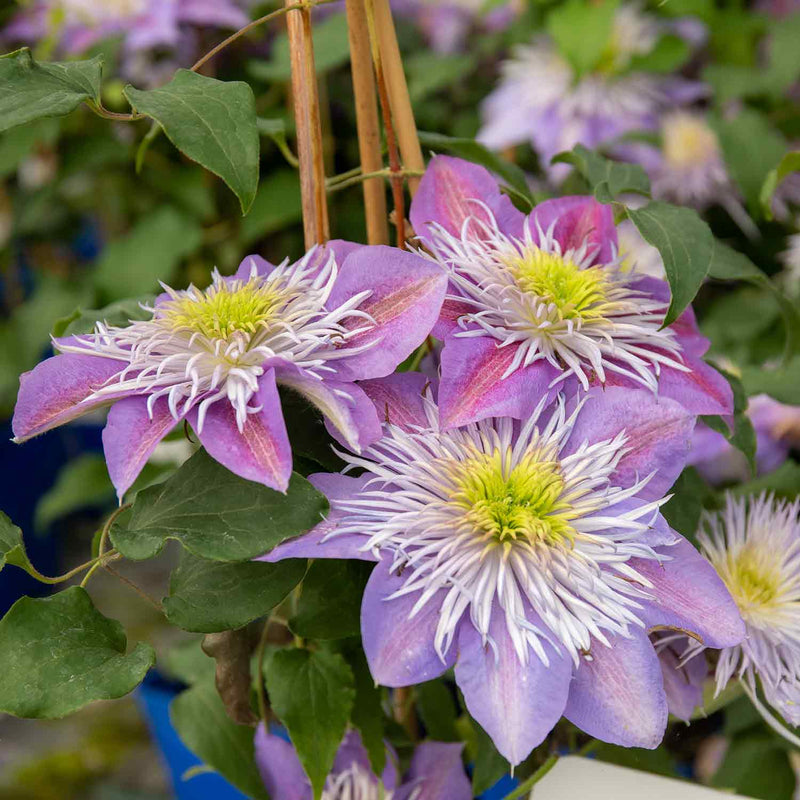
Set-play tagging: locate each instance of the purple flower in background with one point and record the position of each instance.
(683, 677)
(531, 557)
(543, 302)
(755, 546)
(688, 168)
(436, 772)
(636, 254)
(777, 428)
(216, 357)
(145, 24)
(446, 23)
(540, 99)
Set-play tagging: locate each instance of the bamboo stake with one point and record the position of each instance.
(395, 167)
(397, 88)
(369, 137)
(309, 131)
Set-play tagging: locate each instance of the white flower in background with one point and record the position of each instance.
(754, 544)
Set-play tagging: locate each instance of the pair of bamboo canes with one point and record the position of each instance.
(378, 82)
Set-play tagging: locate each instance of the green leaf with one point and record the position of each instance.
(669, 55)
(430, 72)
(788, 164)
(490, 766)
(31, 90)
(313, 695)
(212, 122)
(59, 653)
(18, 143)
(582, 31)
(331, 50)
(437, 709)
(275, 129)
(81, 483)
(751, 147)
(151, 251)
(277, 205)
(757, 766)
(784, 482)
(188, 663)
(215, 514)
(12, 547)
(781, 384)
(606, 178)
(330, 603)
(120, 313)
(658, 762)
(686, 245)
(729, 264)
(367, 714)
(208, 596)
(470, 150)
(205, 728)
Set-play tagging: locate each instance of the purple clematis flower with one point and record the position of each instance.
(541, 100)
(683, 677)
(544, 301)
(436, 772)
(531, 557)
(688, 167)
(145, 24)
(755, 545)
(777, 428)
(216, 357)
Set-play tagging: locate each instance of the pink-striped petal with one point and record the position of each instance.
(406, 295)
(130, 437)
(349, 415)
(576, 220)
(473, 388)
(398, 399)
(261, 451)
(452, 190)
(703, 390)
(55, 392)
(689, 596)
(658, 434)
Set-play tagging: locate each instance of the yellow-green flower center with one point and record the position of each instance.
(506, 504)
(575, 292)
(687, 141)
(224, 310)
(753, 578)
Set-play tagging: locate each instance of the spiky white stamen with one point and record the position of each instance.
(494, 515)
(203, 346)
(357, 783)
(755, 547)
(610, 327)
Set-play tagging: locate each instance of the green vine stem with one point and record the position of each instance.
(101, 547)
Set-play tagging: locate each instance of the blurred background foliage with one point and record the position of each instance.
(93, 213)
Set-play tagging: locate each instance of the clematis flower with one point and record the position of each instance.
(216, 357)
(541, 100)
(777, 428)
(531, 557)
(683, 677)
(636, 254)
(446, 23)
(544, 301)
(145, 24)
(688, 167)
(435, 773)
(755, 546)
